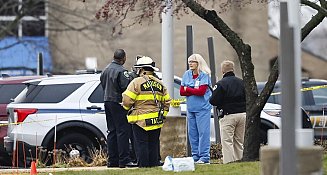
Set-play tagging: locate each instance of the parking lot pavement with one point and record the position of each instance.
(52, 170)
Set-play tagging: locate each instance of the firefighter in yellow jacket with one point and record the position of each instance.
(148, 101)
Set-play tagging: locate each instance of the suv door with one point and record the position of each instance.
(92, 108)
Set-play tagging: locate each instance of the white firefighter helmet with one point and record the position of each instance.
(145, 61)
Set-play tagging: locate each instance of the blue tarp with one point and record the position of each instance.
(18, 56)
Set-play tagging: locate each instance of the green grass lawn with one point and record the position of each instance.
(241, 168)
(214, 169)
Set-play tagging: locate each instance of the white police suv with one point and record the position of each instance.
(69, 110)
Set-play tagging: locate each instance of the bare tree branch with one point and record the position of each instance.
(313, 5)
(315, 20)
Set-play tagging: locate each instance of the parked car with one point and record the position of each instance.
(314, 101)
(74, 104)
(10, 87)
(269, 116)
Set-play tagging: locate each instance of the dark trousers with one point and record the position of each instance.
(146, 146)
(118, 133)
(132, 146)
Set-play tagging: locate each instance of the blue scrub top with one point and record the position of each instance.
(197, 103)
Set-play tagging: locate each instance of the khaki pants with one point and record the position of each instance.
(232, 128)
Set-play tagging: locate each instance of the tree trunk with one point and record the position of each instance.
(252, 135)
(254, 103)
(244, 55)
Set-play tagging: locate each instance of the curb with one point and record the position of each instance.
(52, 170)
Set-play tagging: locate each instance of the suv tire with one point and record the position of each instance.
(76, 141)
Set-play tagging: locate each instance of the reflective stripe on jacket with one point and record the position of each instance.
(140, 98)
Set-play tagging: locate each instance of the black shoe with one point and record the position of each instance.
(128, 165)
(161, 163)
(111, 165)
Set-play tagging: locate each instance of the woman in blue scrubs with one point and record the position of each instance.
(194, 86)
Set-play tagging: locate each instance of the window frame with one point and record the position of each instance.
(11, 18)
(35, 93)
(94, 96)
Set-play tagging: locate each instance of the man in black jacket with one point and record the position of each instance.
(114, 80)
(229, 95)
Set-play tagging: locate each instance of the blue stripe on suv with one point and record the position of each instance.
(82, 111)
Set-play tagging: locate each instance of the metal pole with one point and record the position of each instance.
(40, 64)
(294, 21)
(189, 52)
(290, 77)
(211, 51)
(167, 47)
(189, 43)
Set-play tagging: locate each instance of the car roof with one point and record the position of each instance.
(305, 83)
(65, 79)
(313, 82)
(159, 74)
(18, 79)
(79, 78)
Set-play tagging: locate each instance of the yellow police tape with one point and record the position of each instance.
(38, 121)
(17, 123)
(173, 103)
(304, 89)
(176, 102)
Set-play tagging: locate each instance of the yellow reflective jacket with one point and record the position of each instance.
(140, 98)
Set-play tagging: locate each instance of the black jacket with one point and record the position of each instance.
(114, 81)
(229, 94)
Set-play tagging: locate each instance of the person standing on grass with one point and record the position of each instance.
(148, 101)
(195, 86)
(229, 95)
(114, 80)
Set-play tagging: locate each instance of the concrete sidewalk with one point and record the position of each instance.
(52, 170)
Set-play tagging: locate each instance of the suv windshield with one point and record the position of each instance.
(9, 91)
(48, 93)
(320, 96)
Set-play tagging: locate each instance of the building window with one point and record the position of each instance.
(33, 22)
(33, 28)
(9, 30)
(34, 7)
(8, 8)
